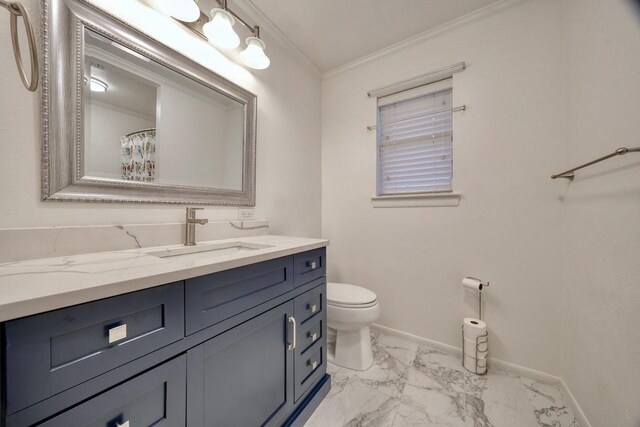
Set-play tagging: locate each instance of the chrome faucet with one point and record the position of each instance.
(190, 238)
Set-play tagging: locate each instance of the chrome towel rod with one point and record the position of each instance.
(17, 9)
(569, 174)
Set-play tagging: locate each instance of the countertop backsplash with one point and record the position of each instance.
(20, 244)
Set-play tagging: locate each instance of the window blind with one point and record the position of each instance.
(415, 150)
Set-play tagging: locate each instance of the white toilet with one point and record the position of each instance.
(350, 311)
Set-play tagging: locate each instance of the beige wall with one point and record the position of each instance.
(507, 228)
(549, 85)
(288, 147)
(601, 299)
(191, 137)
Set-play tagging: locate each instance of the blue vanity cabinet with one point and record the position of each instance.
(244, 376)
(239, 347)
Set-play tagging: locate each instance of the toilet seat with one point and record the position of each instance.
(350, 296)
(352, 306)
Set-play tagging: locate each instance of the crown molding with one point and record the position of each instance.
(433, 32)
(265, 23)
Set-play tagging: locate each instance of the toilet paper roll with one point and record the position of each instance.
(470, 347)
(473, 328)
(472, 283)
(470, 361)
(470, 364)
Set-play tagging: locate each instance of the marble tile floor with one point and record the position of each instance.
(412, 384)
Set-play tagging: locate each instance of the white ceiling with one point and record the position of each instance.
(126, 90)
(335, 32)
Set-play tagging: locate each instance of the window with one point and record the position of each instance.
(415, 150)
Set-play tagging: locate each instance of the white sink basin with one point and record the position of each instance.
(208, 249)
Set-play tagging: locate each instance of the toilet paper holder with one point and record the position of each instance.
(480, 285)
(476, 284)
(481, 339)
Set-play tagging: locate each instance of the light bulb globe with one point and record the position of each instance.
(97, 85)
(183, 10)
(219, 30)
(253, 56)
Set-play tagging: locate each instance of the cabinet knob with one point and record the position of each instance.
(312, 307)
(116, 334)
(313, 365)
(313, 336)
(312, 264)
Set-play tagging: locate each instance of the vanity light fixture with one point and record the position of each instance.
(219, 32)
(97, 85)
(184, 10)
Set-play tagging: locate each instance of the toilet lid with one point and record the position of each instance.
(349, 295)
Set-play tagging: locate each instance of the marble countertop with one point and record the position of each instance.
(36, 286)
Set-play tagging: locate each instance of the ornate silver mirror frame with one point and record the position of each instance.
(63, 178)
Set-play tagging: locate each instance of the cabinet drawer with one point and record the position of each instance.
(310, 304)
(310, 333)
(155, 398)
(310, 351)
(309, 368)
(213, 298)
(309, 265)
(51, 352)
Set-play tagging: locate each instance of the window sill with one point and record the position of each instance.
(417, 200)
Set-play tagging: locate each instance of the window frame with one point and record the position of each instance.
(391, 199)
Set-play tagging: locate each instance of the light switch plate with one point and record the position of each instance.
(118, 333)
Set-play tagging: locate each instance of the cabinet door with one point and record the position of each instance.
(243, 377)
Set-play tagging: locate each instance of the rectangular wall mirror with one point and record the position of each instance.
(129, 120)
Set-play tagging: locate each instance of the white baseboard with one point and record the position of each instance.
(420, 340)
(577, 410)
(497, 363)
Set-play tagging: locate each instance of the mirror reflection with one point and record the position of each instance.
(146, 123)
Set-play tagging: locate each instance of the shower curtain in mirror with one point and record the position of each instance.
(138, 155)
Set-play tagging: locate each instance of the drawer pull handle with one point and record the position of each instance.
(292, 346)
(116, 334)
(312, 264)
(313, 308)
(313, 336)
(124, 424)
(313, 365)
